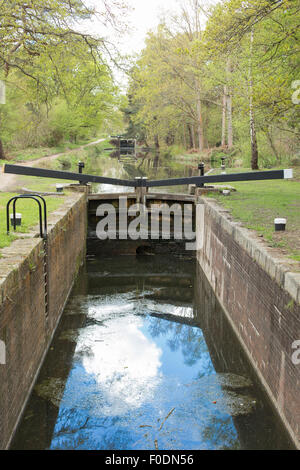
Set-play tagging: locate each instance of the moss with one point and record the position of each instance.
(32, 266)
(290, 305)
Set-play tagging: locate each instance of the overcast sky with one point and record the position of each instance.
(142, 16)
(145, 16)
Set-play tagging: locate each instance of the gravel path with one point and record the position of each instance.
(9, 182)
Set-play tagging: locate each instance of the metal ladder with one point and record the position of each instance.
(43, 235)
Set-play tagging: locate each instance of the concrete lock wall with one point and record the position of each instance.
(26, 329)
(260, 293)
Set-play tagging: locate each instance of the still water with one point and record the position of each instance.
(150, 164)
(144, 358)
(101, 162)
(140, 163)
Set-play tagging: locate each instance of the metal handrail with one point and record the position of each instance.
(43, 234)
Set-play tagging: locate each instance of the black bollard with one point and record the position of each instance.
(223, 166)
(81, 166)
(201, 173)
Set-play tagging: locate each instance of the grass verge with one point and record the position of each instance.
(31, 154)
(30, 215)
(257, 203)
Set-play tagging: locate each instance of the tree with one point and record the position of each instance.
(267, 60)
(32, 32)
(254, 151)
(227, 82)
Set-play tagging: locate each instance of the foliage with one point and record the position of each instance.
(58, 84)
(30, 215)
(257, 203)
(196, 86)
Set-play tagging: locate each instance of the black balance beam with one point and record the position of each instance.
(65, 175)
(231, 177)
(197, 180)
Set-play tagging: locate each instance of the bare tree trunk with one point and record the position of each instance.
(190, 136)
(198, 87)
(254, 150)
(229, 121)
(223, 139)
(229, 105)
(2, 155)
(170, 139)
(184, 136)
(156, 160)
(193, 137)
(272, 145)
(200, 122)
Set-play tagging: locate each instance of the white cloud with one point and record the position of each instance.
(124, 363)
(145, 17)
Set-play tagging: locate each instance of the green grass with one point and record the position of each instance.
(257, 203)
(40, 152)
(35, 153)
(39, 184)
(192, 157)
(69, 158)
(30, 215)
(68, 162)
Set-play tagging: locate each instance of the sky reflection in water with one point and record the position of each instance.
(130, 371)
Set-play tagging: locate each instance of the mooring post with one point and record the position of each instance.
(81, 166)
(199, 185)
(141, 189)
(81, 186)
(201, 173)
(223, 166)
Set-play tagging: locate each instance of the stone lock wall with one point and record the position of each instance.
(25, 330)
(260, 293)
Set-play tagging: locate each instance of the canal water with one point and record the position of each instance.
(144, 358)
(101, 162)
(151, 164)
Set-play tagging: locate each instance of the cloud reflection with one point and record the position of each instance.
(124, 362)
